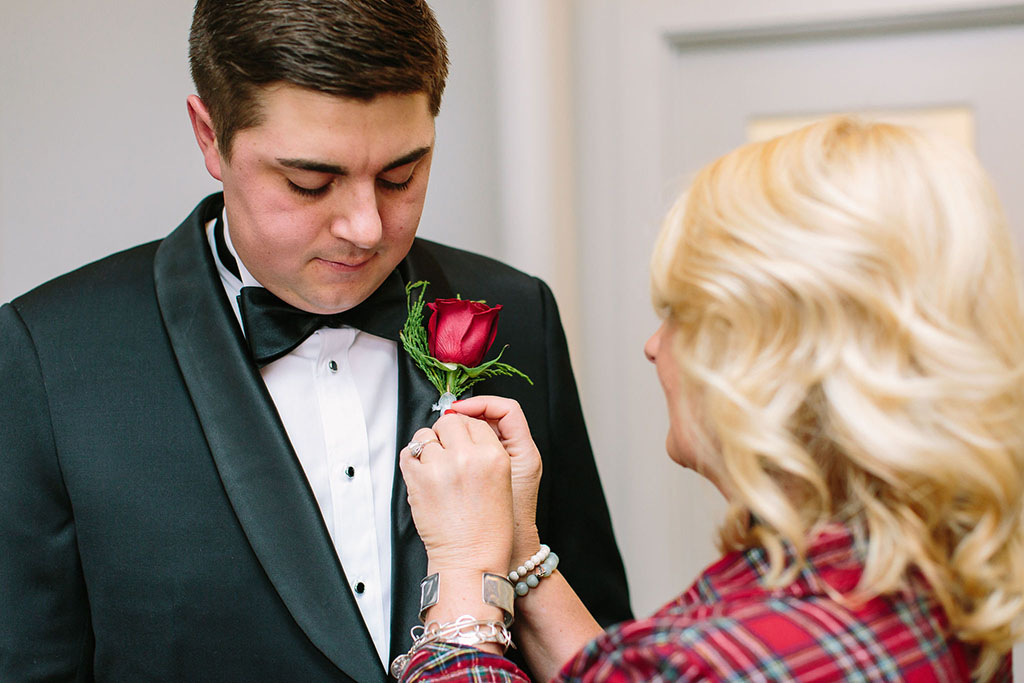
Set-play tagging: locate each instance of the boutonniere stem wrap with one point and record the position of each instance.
(451, 347)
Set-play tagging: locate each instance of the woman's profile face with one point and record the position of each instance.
(658, 350)
(679, 442)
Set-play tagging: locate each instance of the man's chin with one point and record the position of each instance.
(327, 303)
(329, 293)
(332, 307)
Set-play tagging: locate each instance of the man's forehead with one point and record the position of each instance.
(287, 97)
(308, 127)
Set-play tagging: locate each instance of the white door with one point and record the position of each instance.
(655, 103)
(719, 86)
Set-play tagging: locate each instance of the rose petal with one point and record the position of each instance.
(461, 331)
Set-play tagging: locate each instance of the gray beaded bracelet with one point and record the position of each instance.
(524, 577)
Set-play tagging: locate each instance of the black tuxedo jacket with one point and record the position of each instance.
(155, 524)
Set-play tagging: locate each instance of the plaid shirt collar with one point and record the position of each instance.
(833, 564)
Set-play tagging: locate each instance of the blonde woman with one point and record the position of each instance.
(841, 354)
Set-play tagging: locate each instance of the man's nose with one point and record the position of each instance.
(357, 218)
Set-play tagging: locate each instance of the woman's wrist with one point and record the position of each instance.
(459, 593)
(525, 542)
(489, 557)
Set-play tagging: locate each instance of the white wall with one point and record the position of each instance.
(97, 154)
(464, 201)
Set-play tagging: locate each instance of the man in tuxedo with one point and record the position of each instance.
(198, 436)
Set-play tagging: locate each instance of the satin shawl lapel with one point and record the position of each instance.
(416, 395)
(256, 462)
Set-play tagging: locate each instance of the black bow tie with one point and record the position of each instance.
(274, 328)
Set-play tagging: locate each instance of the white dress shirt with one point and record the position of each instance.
(337, 395)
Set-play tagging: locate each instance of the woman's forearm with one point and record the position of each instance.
(460, 595)
(551, 626)
(551, 623)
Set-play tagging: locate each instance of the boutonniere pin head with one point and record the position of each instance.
(451, 348)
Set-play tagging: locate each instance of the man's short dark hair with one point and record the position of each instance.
(350, 48)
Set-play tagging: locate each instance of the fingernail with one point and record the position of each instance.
(458, 400)
(449, 412)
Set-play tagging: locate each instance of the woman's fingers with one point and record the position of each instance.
(488, 407)
(422, 440)
(481, 432)
(504, 414)
(453, 432)
(425, 435)
(460, 493)
(459, 431)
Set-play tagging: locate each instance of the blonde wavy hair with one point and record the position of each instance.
(849, 328)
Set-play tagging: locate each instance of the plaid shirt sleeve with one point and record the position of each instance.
(772, 642)
(781, 638)
(445, 662)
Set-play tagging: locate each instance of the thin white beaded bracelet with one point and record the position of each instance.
(544, 561)
(530, 564)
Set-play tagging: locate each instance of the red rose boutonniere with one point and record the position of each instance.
(451, 349)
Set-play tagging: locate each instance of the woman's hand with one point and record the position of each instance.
(460, 492)
(508, 422)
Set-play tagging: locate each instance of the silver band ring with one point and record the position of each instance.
(416, 447)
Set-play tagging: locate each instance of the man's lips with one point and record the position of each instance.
(346, 263)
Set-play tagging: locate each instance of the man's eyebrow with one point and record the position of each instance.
(310, 165)
(412, 156)
(334, 169)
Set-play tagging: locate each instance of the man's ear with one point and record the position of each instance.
(202, 126)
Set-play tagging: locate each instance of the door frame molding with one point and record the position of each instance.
(854, 27)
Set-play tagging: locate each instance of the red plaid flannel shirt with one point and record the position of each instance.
(727, 627)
